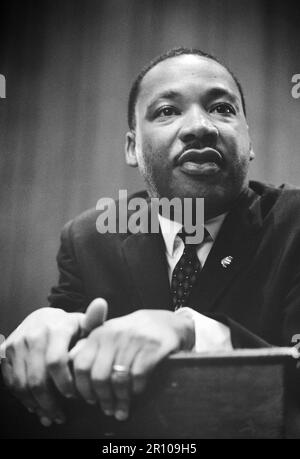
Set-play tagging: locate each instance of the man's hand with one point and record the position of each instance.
(116, 358)
(37, 361)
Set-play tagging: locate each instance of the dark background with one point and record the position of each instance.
(69, 65)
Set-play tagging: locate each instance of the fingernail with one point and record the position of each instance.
(46, 422)
(121, 415)
(108, 412)
(70, 396)
(60, 421)
(30, 410)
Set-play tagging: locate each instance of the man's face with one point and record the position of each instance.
(191, 137)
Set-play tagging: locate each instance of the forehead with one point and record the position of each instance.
(187, 72)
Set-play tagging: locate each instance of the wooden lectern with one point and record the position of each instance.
(241, 394)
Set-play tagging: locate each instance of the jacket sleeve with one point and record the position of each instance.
(69, 294)
(241, 337)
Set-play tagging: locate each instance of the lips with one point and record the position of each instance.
(204, 162)
(203, 156)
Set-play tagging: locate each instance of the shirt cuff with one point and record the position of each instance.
(210, 335)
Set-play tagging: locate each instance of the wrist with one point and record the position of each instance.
(187, 330)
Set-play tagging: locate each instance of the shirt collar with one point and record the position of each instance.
(170, 229)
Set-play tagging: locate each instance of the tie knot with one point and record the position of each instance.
(183, 235)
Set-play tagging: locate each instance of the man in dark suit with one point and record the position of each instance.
(189, 138)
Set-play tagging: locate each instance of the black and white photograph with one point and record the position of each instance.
(149, 222)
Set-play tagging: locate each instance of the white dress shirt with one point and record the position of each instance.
(210, 335)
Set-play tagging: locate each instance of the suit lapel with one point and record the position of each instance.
(238, 238)
(145, 256)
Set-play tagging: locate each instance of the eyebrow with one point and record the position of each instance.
(219, 92)
(212, 93)
(168, 94)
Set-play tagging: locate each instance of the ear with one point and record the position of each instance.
(130, 152)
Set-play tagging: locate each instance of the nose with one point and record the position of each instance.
(198, 127)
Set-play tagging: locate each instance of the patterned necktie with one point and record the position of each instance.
(185, 273)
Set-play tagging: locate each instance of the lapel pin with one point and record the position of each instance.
(226, 261)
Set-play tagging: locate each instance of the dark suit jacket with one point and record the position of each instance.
(257, 295)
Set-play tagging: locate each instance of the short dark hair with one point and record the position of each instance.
(135, 88)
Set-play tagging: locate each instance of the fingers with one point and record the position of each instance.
(91, 383)
(115, 360)
(75, 350)
(36, 368)
(14, 375)
(102, 367)
(83, 356)
(100, 375)
(39, 384)
(121, 383)
(37, 365)
(82, 362)
(142, 366)
(23, 374)
(122, 377)
(57, 364)
(95, 315)
(24, 396)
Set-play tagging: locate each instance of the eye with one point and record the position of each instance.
(224, 109)
(166, 111)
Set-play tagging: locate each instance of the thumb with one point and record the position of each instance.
(95, 315)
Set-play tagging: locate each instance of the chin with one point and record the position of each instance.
(199, 191)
